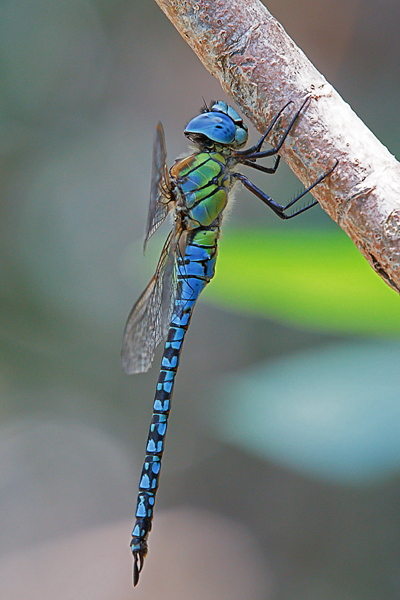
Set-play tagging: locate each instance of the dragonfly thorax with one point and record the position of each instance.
(217, 128)
(201, 187)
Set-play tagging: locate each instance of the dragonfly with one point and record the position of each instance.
(195, 191)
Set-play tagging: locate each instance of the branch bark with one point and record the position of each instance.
(261, 68)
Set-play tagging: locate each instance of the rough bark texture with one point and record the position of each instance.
(261, 68)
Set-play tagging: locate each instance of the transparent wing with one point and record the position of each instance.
(160, 188)
(149, 319)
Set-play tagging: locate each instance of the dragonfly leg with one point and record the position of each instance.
(257, 153)
(257, 147)
(269, 170)
(275, 206)
(279, 209)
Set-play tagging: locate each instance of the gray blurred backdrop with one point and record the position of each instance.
(312, 516)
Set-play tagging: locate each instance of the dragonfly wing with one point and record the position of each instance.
(160, 189)
(149, 319)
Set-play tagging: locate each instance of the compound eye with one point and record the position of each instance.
(241, 136)
(218, 128)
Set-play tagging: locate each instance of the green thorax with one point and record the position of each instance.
(203, 186)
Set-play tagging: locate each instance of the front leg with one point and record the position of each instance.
(255, 153)
(257, 147)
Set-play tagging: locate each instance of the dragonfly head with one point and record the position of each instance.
(219, 124)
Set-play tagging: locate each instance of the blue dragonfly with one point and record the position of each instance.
(195, 190)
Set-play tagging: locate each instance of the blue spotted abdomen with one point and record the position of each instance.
(194, 271)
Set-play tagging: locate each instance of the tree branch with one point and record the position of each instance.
(261, 68)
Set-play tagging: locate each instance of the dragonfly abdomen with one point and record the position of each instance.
(194, 270)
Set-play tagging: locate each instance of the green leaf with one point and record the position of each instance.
(306, 278)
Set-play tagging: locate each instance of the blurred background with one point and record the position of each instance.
(281, 479)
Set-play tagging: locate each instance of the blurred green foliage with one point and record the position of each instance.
(303, 277)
